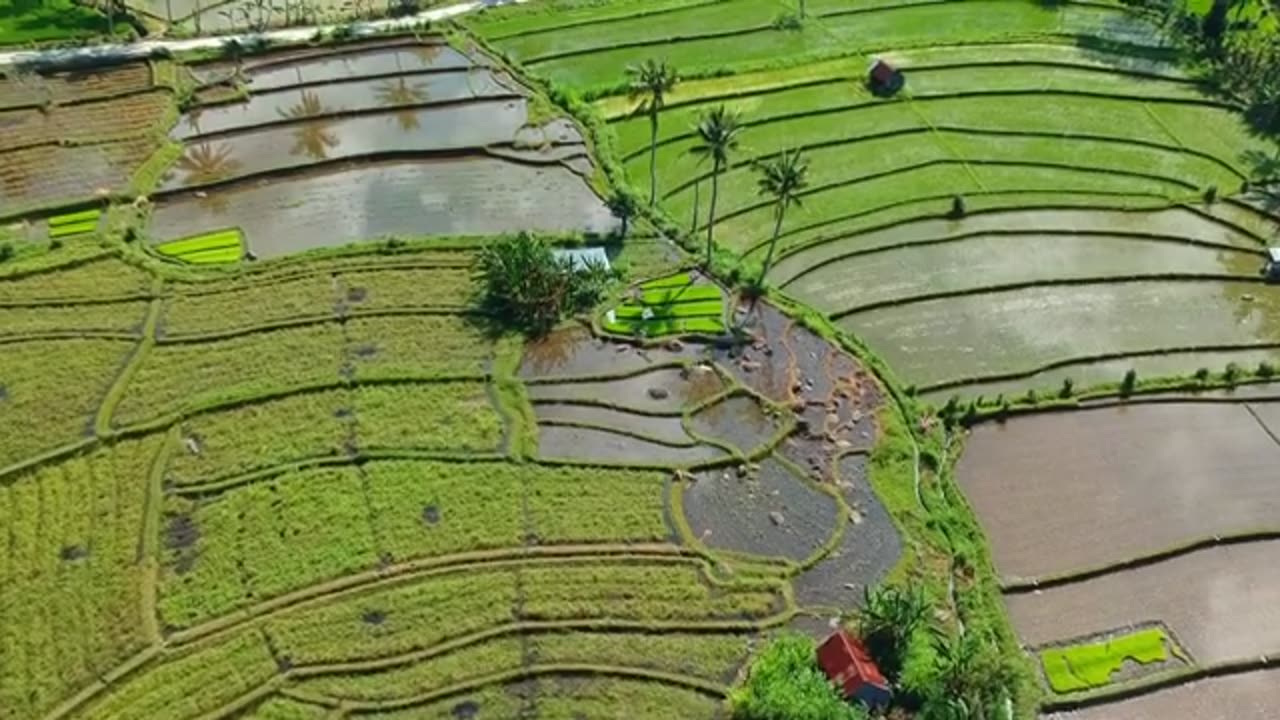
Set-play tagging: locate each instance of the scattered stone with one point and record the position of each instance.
(623, 347)
(855, 517)
(192, 444)
(1247, 297)
(843, 444)
(659, 393)
(675, 345)
(750, 366)
(742, 471)
(201, 194)
(776, 517)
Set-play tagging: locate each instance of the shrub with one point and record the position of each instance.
(958, 208)
(525, 286)
(1231, 374)
(1032, 397)
(1266, 369)
(788, 21)
(887, 620)
(1129, 382)
(786, 682)
(1202, 374)
(1211, 193)
(6, 252)
(1068, 387)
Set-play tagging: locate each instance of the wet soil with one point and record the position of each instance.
(1141, 478)
(869, 549)
(770, 512)
(365, 201)
(738, 421)
(664, 390)
(602, 446)
(664, 429)
(575, 352)
(1222, 603)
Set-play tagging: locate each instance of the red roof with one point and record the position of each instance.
(846, 661)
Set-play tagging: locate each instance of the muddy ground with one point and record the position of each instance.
(1069, 491)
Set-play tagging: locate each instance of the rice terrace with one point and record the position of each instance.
(640, 359)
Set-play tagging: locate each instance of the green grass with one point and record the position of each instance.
(73, 586)
(105, 278)
(1084, 667)
(23, 22)
(219, 247)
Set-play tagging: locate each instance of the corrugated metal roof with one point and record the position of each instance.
(1274, 253)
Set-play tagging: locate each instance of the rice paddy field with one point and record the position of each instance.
(265, 455)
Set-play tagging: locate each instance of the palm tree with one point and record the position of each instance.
(781, 178)
(887, 620)
(399, 93)
(718, 132)
(651, 80)
(623, 207)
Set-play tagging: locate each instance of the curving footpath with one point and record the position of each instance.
(147, 48)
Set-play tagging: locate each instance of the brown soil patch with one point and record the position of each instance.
(1067, 492)
(1222, 603)
(1249, 696)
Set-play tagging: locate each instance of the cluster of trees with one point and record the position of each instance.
(525, 286)
(782, 177)
(1239, 43)
(938, 673)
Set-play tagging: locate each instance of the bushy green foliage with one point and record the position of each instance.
(786, 682)
(887, 621)
(526, 286)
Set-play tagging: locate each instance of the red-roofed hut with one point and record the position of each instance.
(846, 661)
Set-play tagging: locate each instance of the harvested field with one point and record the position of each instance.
(1248, 696)
(1221, 603)
(266, 107)
(590, 445)
(92, 280)
(78, 85)
(1145, 478)
(576, 353)
(124, 318)
(425, 347)
(667, 429)
(460, 196)
(771, 513)
(42, 175)
(86, 123)
(664, 390)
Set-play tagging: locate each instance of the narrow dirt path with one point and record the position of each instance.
(146, 48)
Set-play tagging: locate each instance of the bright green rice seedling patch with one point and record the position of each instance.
(106, 278)
(193, 310)
(643, 700)
(81, 228)
(222, 246)
(263, 540)
(120, 317)
(426, 347)
(1083, 667)
(669, 306)
(451, 416)
(196, 683)
(429, 675)
(259, 435)
(389, 621)
(51, 390)
(72, 579)
(75, 218)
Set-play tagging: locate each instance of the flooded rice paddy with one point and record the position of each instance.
(666, 429)
(1143, 479)
(361, 64)
(461, 196)
(593, 445)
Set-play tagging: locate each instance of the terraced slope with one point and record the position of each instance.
(1077, 154)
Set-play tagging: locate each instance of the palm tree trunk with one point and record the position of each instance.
(111, 18)
(711, 211)
(653, 157)
(197, 17)
(168, 10)
(773, 243)
(693, 225)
